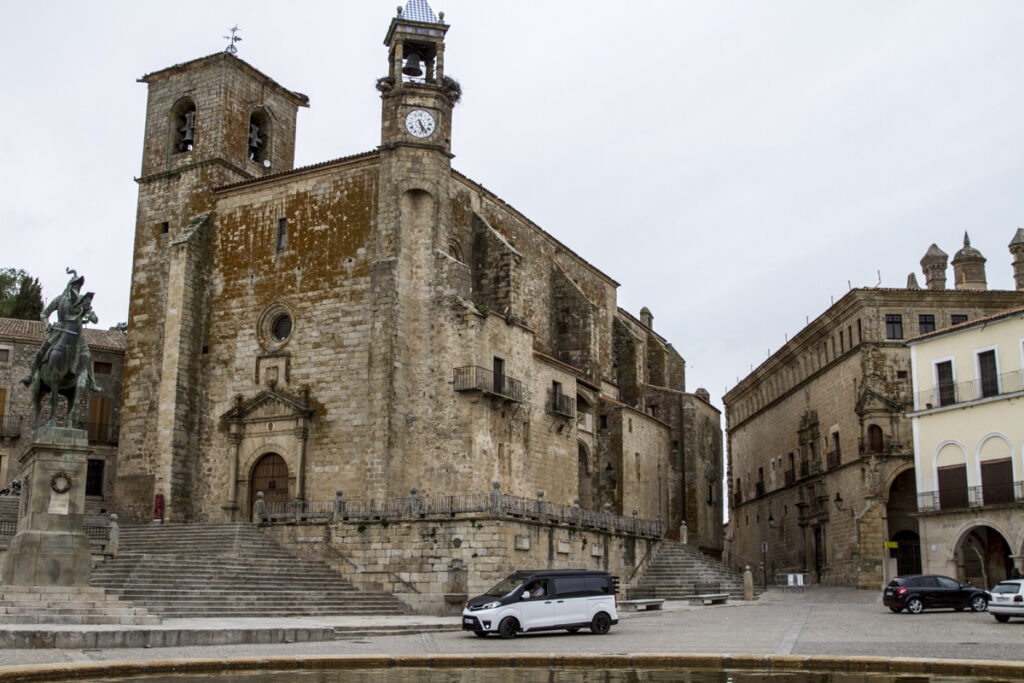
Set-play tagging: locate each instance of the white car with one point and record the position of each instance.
(1007, 600)
(544, 600)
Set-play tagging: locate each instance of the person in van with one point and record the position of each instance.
(544, 600)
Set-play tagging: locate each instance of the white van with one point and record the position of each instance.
(544, 600)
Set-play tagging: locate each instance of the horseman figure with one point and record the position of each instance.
(63, 364)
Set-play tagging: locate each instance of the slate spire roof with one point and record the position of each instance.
(419, 10)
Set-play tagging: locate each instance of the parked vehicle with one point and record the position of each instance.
(932, 591)
(1007, 600)
(544, 600)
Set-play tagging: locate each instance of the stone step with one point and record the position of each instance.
(228, 570)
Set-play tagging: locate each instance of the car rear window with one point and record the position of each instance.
(1006, 588)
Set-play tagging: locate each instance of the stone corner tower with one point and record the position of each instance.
(969, 268)
(211, 121)
(1017, 249)
(933, 265)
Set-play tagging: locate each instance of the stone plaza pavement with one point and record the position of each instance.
(821, 621)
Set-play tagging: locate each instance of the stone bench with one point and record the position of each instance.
(708, 599)
(642, 604)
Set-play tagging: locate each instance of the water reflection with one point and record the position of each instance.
(488, 675)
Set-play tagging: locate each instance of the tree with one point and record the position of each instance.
(21, 295)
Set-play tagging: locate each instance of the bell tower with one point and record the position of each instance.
(417, 97)
(414, 215)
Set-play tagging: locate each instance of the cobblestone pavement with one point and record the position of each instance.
(820, 621)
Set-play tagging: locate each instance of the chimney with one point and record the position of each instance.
(933, 265)
(646, 318)
(1017, 249)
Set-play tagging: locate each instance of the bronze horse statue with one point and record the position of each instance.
(63, 365)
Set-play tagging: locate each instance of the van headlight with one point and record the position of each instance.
(489, 605)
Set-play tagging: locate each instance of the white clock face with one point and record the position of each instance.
(420, 123)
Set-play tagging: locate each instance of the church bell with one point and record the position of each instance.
(412, 65)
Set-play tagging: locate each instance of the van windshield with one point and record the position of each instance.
(505, 586)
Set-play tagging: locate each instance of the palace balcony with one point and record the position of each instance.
(10, 425)
(560, 404)
(476, 378)
(968, 497)
(974, 390)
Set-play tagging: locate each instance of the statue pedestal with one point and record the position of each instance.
(50, 547)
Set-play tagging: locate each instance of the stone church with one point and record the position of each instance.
(379, 322)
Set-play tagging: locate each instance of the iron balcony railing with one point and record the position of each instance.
(562, 405)
(419, 507)
(476, 378)
(790, 477)
(101, 432)
(805, 469)
(9, 527)
(10, 425)
(970, 497)
(759, 489)
(737, 498)
(964, 392)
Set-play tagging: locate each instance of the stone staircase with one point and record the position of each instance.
(228, 570)
(677, 567)
(68, 605)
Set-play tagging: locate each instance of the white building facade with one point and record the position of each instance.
(968, 427)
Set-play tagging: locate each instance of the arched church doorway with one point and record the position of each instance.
(269, 475)
(902, 525)
(983, 557)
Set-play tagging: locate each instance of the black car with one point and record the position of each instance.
(930, 591)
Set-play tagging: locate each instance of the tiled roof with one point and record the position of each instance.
(32, 330)
(340, 161)
(419, 10)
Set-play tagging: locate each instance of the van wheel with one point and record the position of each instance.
(480, 634)
(600, 624)
(574, 629)
(508, 627)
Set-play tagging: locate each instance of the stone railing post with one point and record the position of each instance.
(636, 522)
(684, 532)
(539, 508)
(339, 505)
(608, 516)
(259, 508)
(748, 583)
(496, 499)
(114, 539)
(575, 511)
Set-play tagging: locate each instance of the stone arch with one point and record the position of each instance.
(269, 474)
(248, 461)
(182, 126)
(983, 553)
(995, 468)
(259, 137)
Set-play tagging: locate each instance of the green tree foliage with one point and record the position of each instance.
(21, 295)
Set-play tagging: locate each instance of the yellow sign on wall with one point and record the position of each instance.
(891, 544)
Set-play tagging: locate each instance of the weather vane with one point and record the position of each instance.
(232, 39)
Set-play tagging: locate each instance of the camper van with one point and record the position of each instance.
(544, 600)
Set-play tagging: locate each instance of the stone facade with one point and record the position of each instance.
(821, 457)
(99, 414)
(433, 565)
(378, 323)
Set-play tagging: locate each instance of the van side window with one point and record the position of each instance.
(570, 586)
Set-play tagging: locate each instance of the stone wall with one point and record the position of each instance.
(434, 565)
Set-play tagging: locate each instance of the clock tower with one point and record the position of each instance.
(412, 271)
(417, 97)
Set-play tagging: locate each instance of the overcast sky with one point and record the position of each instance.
(732, 164)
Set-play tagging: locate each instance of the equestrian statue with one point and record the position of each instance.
(63, 364)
